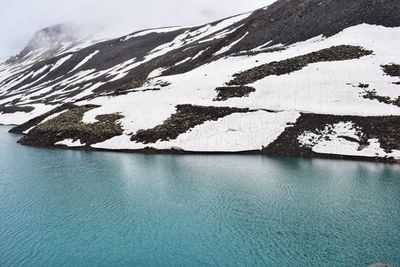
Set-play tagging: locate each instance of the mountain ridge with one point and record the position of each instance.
(253, 82)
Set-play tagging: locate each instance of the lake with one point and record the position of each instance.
(72, 208)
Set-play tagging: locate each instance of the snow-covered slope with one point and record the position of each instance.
(327, 84)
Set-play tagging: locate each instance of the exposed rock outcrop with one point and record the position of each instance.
(69, 125)
(224, 93)
(385, 129)
(335, 53)
(185, 118)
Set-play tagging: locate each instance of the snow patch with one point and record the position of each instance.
(337, 139)
(70, 143)
(229, 47)
(85, 60)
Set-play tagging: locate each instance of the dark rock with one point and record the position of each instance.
(185, 118)
(372, 95)
(363, 85)
(392, 70)
(261, 51)
(35, 121)
(224, 93)
(335, 53)
(348, 138)
(13, 109)
(69, 125)
(291, 21)
(385, 129)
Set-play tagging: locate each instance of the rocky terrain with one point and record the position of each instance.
(314, 78)
(69, 126)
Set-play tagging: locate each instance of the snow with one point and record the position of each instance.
(85, 60)
(60, 62)
(16, 81)
(191, 36)
(44, 53)
(322, 88)
(155, 73)
(183, 61)
(145, 32)
(331, 141)
(137, 109)
(347, 129)
(21, 117)
(234, 133)
(329, 92)
(220, 35)
(344, 147)
(229, 47)
(70, 143)
(27, 131)
(5, 73)
(198, 54)
(123, 69)
(36, 73)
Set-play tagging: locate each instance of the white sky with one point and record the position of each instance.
(19, 19)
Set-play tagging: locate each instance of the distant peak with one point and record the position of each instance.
(49, 38)
(50, 35)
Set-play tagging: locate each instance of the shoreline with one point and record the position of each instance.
(153, 151)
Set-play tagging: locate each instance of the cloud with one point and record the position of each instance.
(19, 19)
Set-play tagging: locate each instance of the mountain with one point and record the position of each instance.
(313, 78)
(50, 42)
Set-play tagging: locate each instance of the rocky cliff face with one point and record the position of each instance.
(299, 77)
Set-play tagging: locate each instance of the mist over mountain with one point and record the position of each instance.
(107, 18)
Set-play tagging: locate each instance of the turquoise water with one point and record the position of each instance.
(70, 208)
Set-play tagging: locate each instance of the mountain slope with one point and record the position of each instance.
(299, 77)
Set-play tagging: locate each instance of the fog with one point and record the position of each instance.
(20, 19)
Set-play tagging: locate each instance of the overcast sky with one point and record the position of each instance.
(19, 19)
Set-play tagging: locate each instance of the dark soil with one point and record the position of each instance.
(392, 70)
(35, 121)
(290, 21)
(125, 92)
(224, 93)
(185, 118)
(262, 51)
(385, 129)
(335, 53)
(363, 85)
(13, 109)
(372, 95)
(69, 125)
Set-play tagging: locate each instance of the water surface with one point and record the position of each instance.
(71, 208)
